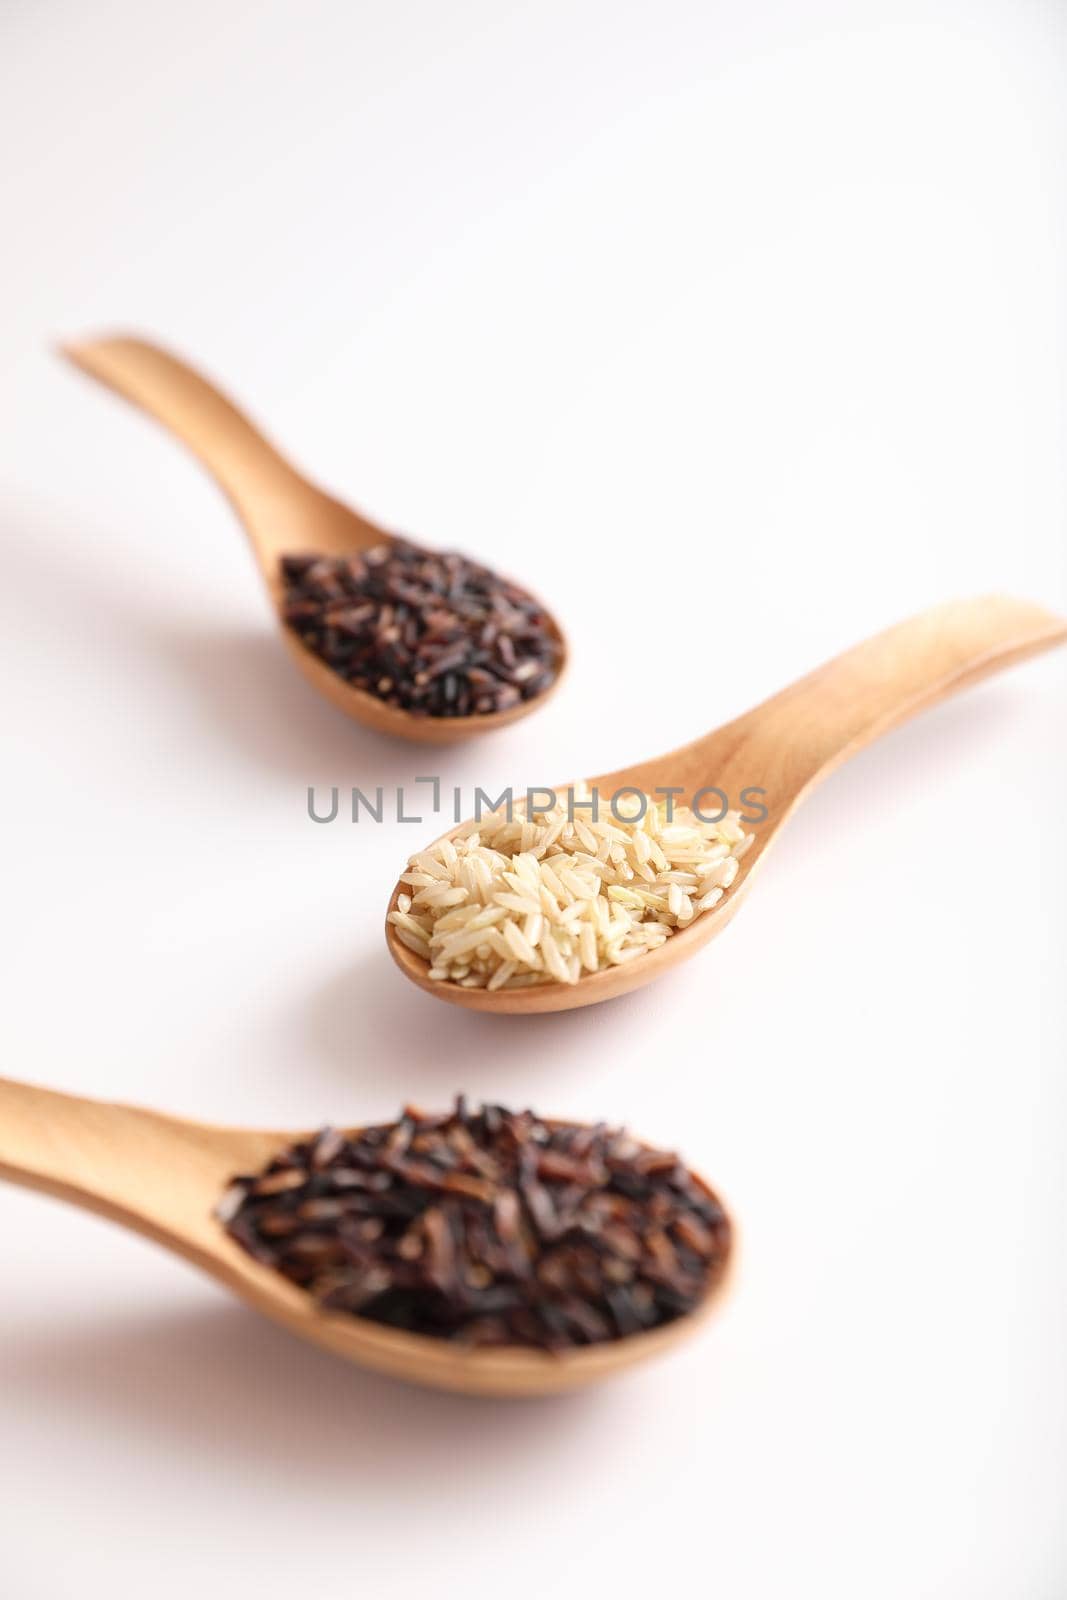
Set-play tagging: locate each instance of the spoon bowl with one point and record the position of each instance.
(283, 514)
(163, 1176)
(784, 748)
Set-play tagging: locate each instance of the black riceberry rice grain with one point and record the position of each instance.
(488, 1227)
(429, 632)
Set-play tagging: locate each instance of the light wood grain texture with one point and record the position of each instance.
(786, 746)
(162, 1177)
(281, 511)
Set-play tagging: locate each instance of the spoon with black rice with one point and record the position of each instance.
(480, 1249)
(424, 644)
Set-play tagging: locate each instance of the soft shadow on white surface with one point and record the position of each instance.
(235, 683)
(364, 1019)
(248, 690)
(220, 1379)
(240, 682)
(915, 758)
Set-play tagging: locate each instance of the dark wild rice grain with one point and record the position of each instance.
(427, 631)
(490, 1227)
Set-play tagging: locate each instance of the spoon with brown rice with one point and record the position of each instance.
(561, 905)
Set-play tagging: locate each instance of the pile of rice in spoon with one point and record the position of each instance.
(506, 904)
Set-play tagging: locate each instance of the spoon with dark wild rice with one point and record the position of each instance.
(424, 644)
(479, 1250)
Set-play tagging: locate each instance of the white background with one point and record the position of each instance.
(739, 331)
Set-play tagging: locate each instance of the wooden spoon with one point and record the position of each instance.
(786, 746)
(283, 514)
(163, 1176)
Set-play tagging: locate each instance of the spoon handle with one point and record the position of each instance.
(136, 1167)
(83, 1151)
(281, 510)
(800, 735)
(246, 466)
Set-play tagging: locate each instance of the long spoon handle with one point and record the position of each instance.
(281, 510)
(154, 1173)
(85, 1151)
(246, 466)
(800, 735)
